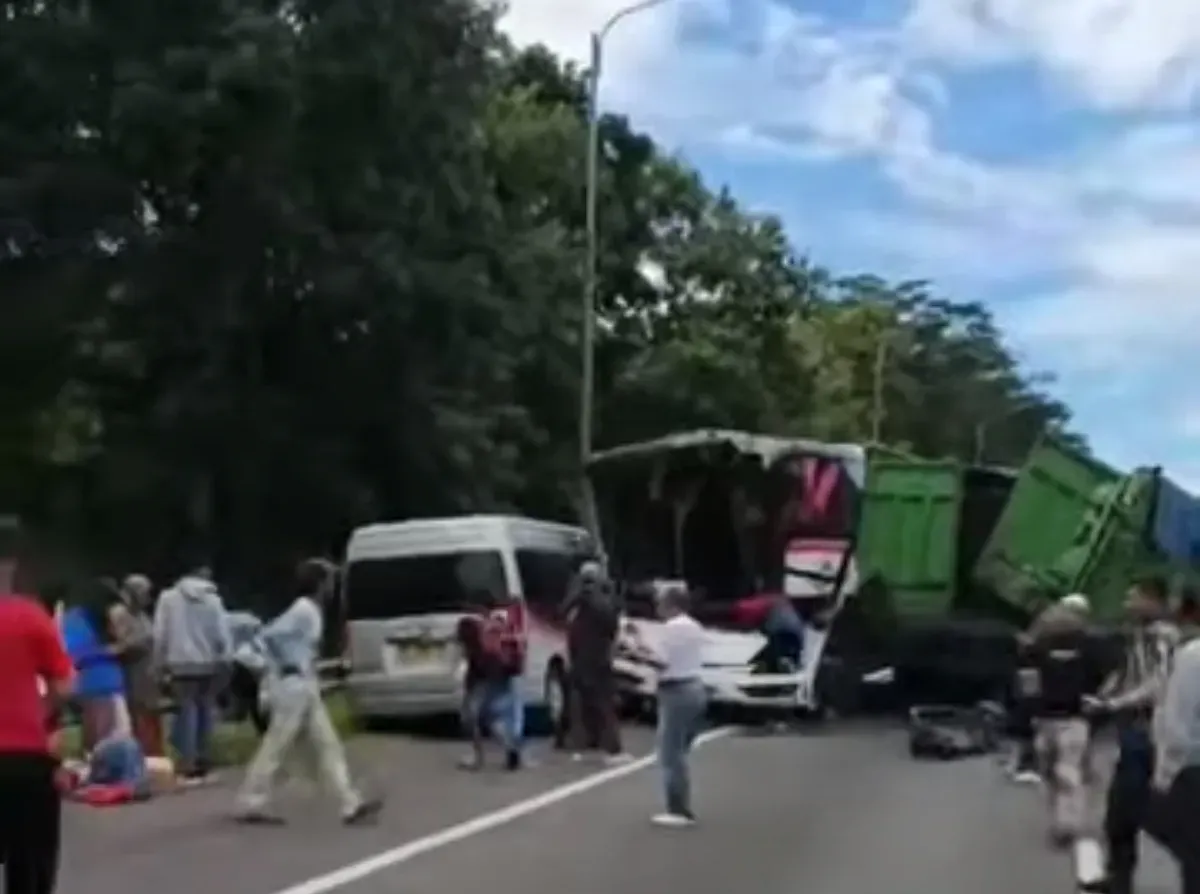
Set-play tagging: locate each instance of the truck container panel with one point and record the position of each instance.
(1120, 547)
(908, 533)
(1176, 525)
(1046, 532)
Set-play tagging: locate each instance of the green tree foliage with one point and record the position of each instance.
(273, 269)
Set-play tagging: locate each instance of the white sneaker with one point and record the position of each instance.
(618, 760)
(672, 820)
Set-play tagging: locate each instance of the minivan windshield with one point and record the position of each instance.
(402, 586)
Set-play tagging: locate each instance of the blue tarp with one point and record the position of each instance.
(1177, 523)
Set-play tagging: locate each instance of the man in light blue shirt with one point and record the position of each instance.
(292, 645)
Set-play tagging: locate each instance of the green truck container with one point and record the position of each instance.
(922, 527)
(1072, 523)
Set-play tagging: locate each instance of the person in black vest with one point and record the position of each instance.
(1070, 668)
(592, 623)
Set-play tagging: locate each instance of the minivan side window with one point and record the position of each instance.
(545, 578)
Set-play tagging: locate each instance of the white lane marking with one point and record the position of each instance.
(360, 869)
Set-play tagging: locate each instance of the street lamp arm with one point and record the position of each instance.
(620, 14)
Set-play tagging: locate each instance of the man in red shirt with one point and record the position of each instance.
(34, 670)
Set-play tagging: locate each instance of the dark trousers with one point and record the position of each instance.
(195, 709)
(1129, 796)
(783, 652)
(1173, 819)
(30, 823)
(594, 715)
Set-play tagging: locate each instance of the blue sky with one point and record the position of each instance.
(1041, 157)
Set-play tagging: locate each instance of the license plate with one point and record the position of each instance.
(401, 656)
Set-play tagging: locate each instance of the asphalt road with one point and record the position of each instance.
(843, 811)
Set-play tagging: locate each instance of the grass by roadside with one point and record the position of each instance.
(235, 743)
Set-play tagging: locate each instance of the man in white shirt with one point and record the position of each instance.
(292, 644)
(682, 702)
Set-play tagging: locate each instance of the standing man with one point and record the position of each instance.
(682, 701)
(1070, 669)
(1174, 815)
(1130, 697)
(133, 629)
(32, 662)
(193, 647)
(293, 643)
(592, 625)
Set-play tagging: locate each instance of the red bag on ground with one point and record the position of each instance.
(104, 795)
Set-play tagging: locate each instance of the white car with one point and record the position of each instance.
(729, 674)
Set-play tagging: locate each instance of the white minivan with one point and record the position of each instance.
(406, 585)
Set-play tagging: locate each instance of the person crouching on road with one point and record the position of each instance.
(592, 625)
(681, 703)
(293, 642)
(494, 651)
(1173, 818)
(1070, 668)
(1130, 697)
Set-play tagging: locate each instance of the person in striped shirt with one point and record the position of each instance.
(1129, 697)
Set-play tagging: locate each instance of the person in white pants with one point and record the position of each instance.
(292, 644)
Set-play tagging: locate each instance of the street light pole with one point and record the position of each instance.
(587, 390)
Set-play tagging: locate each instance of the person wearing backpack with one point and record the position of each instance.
(493, 645)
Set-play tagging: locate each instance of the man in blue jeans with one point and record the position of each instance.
(493, 649)
(193, 646)
(1130, 698)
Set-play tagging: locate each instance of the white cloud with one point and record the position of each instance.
(1117, 220)
(1117, 54)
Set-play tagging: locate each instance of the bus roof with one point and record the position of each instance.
(766, 446)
